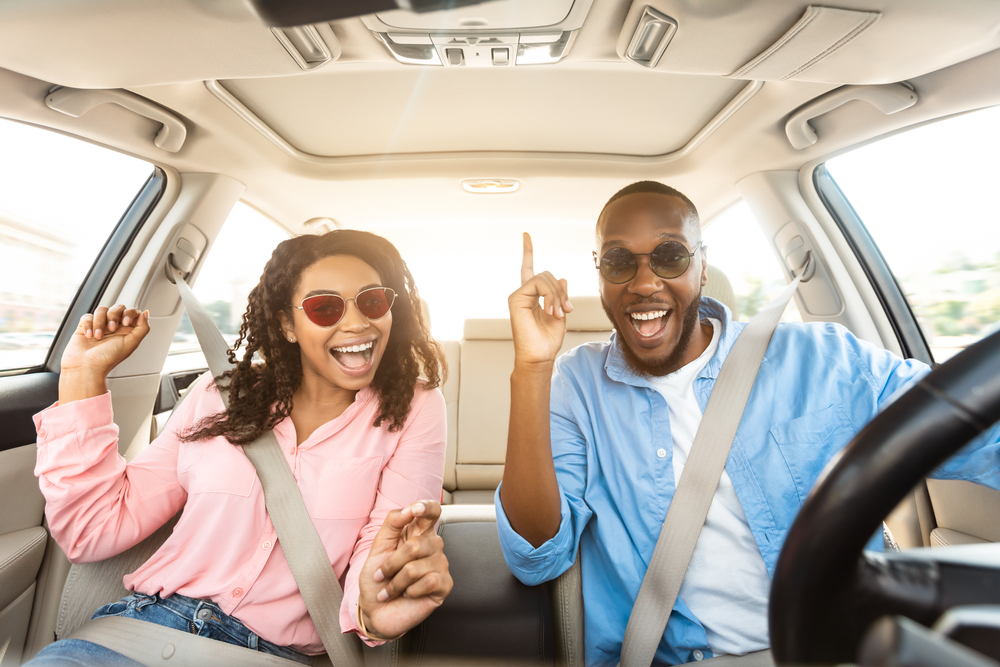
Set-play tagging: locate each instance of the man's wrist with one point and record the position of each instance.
(532, 369)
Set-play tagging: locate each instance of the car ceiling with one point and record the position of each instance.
(376, 144)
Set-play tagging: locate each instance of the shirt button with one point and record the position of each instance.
(698, 655)
(237, 592)
(266, 545)
(41, 433)
(661, 452)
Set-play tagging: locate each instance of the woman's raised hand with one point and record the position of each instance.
(406, 575)
(538, 329)
(102, 340)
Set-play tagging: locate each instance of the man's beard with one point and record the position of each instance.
(673, 361)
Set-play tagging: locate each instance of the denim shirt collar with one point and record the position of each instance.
(618, 369)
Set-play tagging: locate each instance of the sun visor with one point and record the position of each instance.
(870, 42)
(821, 32)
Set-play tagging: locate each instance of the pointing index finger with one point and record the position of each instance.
(528, 261)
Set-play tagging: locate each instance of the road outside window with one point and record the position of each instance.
(60, 199)
(928, 199)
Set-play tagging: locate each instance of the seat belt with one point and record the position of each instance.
(301, 544)
(697, 486)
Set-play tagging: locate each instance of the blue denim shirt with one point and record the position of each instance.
(817, 386)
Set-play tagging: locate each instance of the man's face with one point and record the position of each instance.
(655, 317)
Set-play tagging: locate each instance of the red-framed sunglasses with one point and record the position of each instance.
(326, 310)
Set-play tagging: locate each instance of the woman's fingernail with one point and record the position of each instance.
(97, 333)
(559, 310)
(383, 595)
(125, 321)
(419, 508)
(569, 305)
(378, 575)
(111, 325)
(90, 333)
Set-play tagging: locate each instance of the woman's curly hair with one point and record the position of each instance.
(260, 394)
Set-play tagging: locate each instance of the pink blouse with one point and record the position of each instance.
(224, 547)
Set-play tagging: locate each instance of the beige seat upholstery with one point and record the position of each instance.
(719, 288)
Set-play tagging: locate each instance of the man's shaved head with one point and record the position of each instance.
(653, 187)
(657, 318)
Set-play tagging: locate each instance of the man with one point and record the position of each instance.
(597, 441)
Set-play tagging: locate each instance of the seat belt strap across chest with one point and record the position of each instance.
(301, 544)
(699, 482)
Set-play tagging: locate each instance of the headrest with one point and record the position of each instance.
(487, 329)
(587, 315)
(719, 288)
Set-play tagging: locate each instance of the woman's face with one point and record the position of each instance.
(327, 351)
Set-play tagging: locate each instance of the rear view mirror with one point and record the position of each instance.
(285, 13)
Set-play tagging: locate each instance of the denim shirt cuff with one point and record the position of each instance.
(519, 551)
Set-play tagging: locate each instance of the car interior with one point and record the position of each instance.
(450, 129)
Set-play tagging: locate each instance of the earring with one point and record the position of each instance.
(291, 339)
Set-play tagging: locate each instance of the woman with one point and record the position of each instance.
(336, 320)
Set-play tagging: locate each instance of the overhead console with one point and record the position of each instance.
(506, 33)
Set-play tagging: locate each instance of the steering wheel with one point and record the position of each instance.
(825, 593)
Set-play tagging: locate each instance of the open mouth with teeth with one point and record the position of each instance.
(648, 324)
(354, 357)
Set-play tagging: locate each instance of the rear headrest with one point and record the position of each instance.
(487, 329)
(587, 315)
(719, 288)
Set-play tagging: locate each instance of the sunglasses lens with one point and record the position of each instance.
(325, 309)
(618, 265)
(669, 259)
(375, 303)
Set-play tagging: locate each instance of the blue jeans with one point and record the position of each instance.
(199, 617)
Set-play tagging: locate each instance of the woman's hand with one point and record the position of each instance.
(406, 575)
(538, 329)
(102, 340)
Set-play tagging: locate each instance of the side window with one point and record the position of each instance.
(232, 268)
(928, 199)
(60, 200)
(737, 246)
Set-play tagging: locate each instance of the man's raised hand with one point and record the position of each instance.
(538, 312)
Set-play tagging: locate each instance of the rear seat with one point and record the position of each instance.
(478, 391)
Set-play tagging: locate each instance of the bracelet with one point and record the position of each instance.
(368, 633)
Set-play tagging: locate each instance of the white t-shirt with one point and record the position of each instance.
(726, 585)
